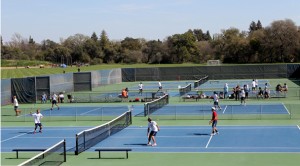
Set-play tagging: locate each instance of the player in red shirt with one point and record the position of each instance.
(214, 121)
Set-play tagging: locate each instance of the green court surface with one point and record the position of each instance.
(173, 159)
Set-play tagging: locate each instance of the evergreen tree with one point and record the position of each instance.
(94, 36)
(258, 25)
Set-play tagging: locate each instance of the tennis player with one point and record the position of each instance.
(214, 121)
(37, 120)
(216, 100)
(54, 101)
(153, 128)
(16, 106)
(159, 86)
(141, 88)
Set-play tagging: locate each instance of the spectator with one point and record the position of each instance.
(260, 93)
(243, 97)
(279, 88)
(285, 88)
(225, 90)
(237, 92)
(266, 91)
(256, 84)
(124, 94)
(246, 89)
(61, 97)
(44, 98)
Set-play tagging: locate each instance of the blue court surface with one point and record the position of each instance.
(84, 111)
(268, 109)
(169, 139)
(166, 85)
(219, 84)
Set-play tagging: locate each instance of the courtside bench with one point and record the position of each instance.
(27, 150)
(113, 150)
(191, 97)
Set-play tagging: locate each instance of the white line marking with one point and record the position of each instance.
(208, 141)
(14, 137)
(90, 111)
(225, 109)
(286, 108)
(298, 127)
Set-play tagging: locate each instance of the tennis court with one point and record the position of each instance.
(198, 139)
(169, 139)
(184, 128)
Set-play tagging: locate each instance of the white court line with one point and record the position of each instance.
(14, 137)
(208, 141)
(286, 108)
(225, 109)
(298, 127)
(90, 111)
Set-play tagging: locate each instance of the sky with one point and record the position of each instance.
(148, 19)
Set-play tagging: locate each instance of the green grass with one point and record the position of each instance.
(21, 72)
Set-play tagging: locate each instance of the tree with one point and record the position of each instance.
(252, 27)
(152, 50)
(94, 37)
(282, 41)
(259, 25)
(76, 44)
(104, 41)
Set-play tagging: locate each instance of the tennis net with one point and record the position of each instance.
(88, 138)
(186, 89)
(200, 81)
(54, 155)
(154, 105)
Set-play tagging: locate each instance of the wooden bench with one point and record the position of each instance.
(27, 150)
(192, 97)
(113, 150)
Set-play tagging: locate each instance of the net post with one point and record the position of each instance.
(65, 151)
(76, 149)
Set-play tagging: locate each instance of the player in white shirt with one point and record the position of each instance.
(243, 97)
(37, 120)
(256, 84)
(159, 86)
(153, 128)
(216, 100)
(253, 85)
(141, 88)
(16, 106)
(54, 101)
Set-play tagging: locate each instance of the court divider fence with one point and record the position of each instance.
(66, 113)
(230, 112)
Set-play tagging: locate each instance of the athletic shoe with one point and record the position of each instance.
(154, 145)
(51, 108)
(212, 134)
(149, 144)
(40, 131)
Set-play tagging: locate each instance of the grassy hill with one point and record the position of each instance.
(22, 71)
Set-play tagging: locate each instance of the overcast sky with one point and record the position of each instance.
(149, 19)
